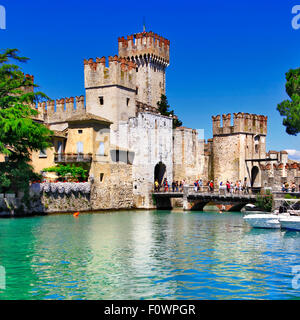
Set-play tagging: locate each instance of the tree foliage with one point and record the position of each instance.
(64, 170)
(290, 109)
(20, 134)
(265, 202)
(164, 109)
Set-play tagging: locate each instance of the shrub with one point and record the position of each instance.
(265, 202)
(64, 170)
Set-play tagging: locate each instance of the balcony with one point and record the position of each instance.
(73, 157)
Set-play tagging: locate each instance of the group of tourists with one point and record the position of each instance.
(200, 186)
(292, 188)
(175, 186)
(234, 188)
(238, 187)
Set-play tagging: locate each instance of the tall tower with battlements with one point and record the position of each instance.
(137, 76)
(151, 54)
(237, 147)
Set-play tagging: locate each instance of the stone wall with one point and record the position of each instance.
(189, 161)
(234, 146)
(115, 190)
(277, 173)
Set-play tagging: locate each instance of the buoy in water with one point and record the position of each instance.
(76, 214)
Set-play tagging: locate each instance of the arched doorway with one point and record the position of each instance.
(254, 177)
(159, 172)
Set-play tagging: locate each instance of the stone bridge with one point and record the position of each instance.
(197, 200)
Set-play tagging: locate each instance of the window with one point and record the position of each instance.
(127, 101)
(137, 69)
(256, 148)
(80, 131)
(59, 147)
(101, 177)
(136, 90)
(101, 100)
(80, 147)
(101, 149)
(43, 154)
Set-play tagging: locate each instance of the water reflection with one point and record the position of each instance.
(146, 255)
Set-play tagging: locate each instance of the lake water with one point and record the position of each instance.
(146, 255)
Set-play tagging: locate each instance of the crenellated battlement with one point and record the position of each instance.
(59, 110)
(143, 44)
(120, 72)
(242, 123)
(280, 166)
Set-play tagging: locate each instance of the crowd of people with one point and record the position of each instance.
(166, 187)
(201, 186)
(286, 187)
(236, 187)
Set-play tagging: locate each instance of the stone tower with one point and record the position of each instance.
(110, 91)
(234, 146)
(151, 54)
(137, 76)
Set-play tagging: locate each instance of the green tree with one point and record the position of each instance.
(290, 109)
(64, 170)
(265, 201)
(164, 109)
(20, 134)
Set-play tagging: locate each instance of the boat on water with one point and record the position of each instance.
(290, 223)
(286, 217)
(260, 220)
(251, 208)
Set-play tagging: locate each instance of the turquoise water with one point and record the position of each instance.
(146, 255)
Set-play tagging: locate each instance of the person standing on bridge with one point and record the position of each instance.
(246, 189)
(165, 184)
(227, 186)
(156, 186)
(200, 184)
(181, 186)
(173, 186)
(211, 186)
(195, 186)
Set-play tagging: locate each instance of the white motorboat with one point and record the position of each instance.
(269, 221)
(290, 223)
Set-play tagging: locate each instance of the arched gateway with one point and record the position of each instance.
(254, 177)
(159, 172)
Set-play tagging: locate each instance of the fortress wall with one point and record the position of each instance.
(150, 137)
(53, 111)
(188, 155)
(120, 72)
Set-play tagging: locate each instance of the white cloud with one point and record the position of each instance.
(293, 154)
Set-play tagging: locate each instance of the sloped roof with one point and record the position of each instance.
(87, 117)
(61, 134)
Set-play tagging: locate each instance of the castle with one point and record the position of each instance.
(117, 131)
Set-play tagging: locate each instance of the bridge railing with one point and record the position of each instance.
(191, 188)
(204, 189)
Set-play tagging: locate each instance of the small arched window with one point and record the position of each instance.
(101, 149)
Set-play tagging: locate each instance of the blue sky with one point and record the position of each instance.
(226, 56)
